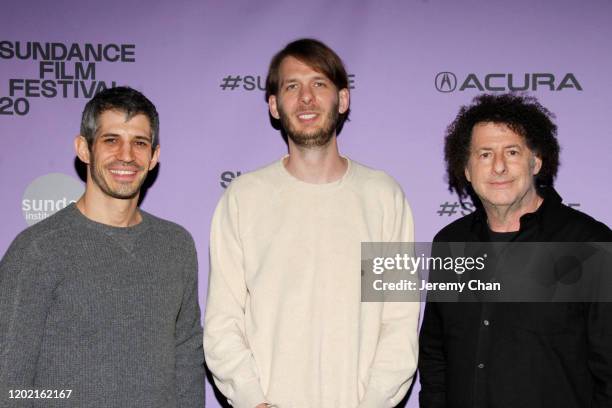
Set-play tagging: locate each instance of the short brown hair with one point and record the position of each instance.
(123, 99)
(316, 55)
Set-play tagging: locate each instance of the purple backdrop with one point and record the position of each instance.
(394, 50)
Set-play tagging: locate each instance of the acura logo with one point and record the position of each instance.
(507, 82)
(446, 82)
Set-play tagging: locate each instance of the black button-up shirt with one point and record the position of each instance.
(513, 355)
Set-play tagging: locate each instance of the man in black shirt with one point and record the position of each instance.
(502, 150)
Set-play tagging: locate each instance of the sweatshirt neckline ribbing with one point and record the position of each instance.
(82, 220)
(295, 182)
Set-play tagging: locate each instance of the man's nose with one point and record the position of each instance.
(126, 152)
(499, 164)
(306, 95)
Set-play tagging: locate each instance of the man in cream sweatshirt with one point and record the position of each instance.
(285, 325)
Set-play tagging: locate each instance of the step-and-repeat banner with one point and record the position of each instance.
(412, 64)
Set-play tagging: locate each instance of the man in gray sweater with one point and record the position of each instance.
(98, 303)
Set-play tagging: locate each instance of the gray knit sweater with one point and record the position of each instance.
(109, 313)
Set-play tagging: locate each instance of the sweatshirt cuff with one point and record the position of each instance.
(373, 399)
(248, 395)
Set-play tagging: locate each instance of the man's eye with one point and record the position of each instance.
(141, 143)
(513, 152)
(319, 84)
(291, 87)
(110, 141)
(485, 155)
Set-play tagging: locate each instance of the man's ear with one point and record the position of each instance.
(82, 149)
(344, 100)
(537, 164)
(273, 107)
(467, 174)
(154, 158)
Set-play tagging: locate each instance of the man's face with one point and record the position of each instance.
(308, 104)
(501, 167)
(121, 155)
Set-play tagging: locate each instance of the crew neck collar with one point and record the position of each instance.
(82, 220)
(295, 182)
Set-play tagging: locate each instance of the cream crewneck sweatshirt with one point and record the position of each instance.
(284, 319)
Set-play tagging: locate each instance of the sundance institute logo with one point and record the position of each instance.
(48, 194)
(506, 82)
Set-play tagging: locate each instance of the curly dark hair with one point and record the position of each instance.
(522, 114)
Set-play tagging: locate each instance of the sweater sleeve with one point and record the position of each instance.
(226, 348)
(26, 294)
(188, 349)
(395, 360)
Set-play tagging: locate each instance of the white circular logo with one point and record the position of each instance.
(48, 194)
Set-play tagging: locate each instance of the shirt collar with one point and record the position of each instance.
(528, 221)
